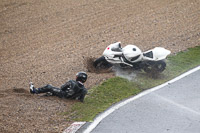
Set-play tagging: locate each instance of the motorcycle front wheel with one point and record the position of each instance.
(155, 67)
(101, 63)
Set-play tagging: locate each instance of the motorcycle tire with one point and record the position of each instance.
(101, 63)
(155, 67)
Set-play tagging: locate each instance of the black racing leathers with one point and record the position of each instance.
(71, 89)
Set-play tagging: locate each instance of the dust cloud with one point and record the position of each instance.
(125, 73)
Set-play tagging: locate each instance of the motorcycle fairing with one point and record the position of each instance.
(113, 53)
(135, 58)
(158, 53)
(132, 53)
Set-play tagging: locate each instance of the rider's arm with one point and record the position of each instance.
(66, 86)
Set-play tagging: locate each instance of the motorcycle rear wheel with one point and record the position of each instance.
(155, 67)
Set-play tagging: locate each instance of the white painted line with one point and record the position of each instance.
(109, 111)
(73, 127)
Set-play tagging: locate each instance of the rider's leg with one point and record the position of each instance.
(81, 95)
(45, 89)
(49, 88)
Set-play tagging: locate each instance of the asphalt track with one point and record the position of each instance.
(173, 107)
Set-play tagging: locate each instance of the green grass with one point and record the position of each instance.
(116, 89)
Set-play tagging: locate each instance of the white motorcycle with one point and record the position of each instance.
(130, 56)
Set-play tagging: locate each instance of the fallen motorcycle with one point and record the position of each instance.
(130, 56)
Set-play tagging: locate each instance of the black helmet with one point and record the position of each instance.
(81, 76)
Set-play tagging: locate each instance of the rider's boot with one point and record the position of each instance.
(33, 90)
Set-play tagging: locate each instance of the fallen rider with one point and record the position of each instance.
(71, 89)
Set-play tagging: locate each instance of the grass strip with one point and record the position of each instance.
(116, 89)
